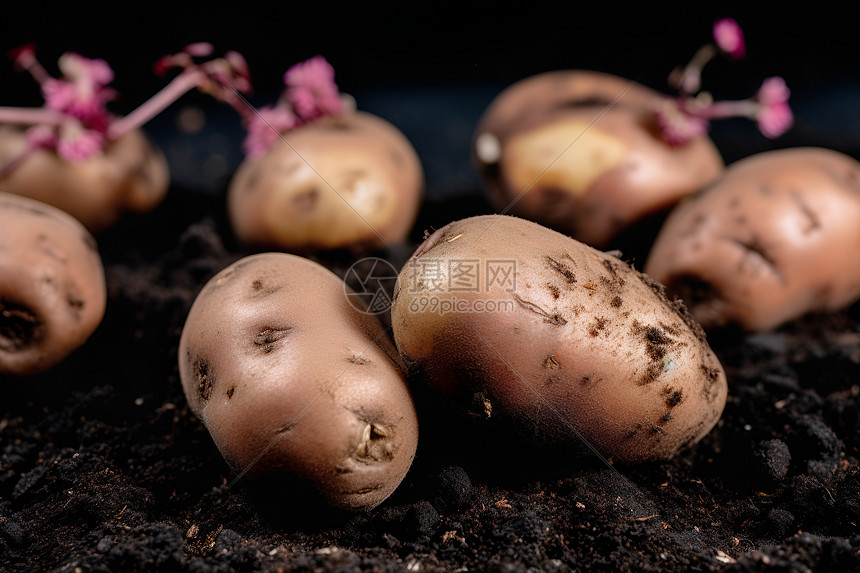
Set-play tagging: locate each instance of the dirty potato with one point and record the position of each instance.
(773, 239)
(291, 379)
(581, 152)
(52, 285)
(567, 341)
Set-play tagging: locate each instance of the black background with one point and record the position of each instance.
(431, 68)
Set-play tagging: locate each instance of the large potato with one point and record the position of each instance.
(52, 285)
(564, 339)
(290, 378)
(351, 181)
(775, 238)
(581, 152)
(129, 175)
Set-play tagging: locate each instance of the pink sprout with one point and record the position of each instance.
(24, 56)
(219, 77)
(75, 120)
(309, 94)
(265, 127)
(223, 78)
(184, 58)
(775, 116)
(42, 137)
(82, 93)
(239, 66)
(773, 91)
(688, 115)
(729, 38)
(677, 125)
(229, 74)
(199, 49)
(76, 143)
(311, 89)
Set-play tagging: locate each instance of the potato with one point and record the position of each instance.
(351, 181)
(558, 337)
(771, 240)
(291, 379)
(580, 152)
(52, 285)
(130, 175)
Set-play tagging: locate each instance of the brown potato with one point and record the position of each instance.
(52, 285)
(771, 240)
(580, 152)
(290, 378)
(566, 340)
(351, 181)
(130, 175)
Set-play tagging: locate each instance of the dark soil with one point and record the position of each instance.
(103, 468)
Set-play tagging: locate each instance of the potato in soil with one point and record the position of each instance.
(351, 181)
(129, 176)
(773, 239)
(52, 285)
(581, 152)
(560, 338)
(291, 379)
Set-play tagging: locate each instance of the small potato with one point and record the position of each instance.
(52, 285)
(291, 379)
(351, 181)
(580, 152)
(773, 239)
(130, 175)
(563, 339)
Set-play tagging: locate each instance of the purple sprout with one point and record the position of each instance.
(689, 114)
(310, 93)
(75, 121)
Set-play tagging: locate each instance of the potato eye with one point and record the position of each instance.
(268, 337)
(19, 327)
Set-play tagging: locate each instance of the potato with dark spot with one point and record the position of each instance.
(775, 238)
(569, 342)
(349, 181)
(129, 176)
(581, 152)
(52, 285)
(292, 380)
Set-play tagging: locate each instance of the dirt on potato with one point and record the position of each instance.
(104, 468)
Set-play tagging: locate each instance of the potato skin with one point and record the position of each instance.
(130, 175)
(52, 285)
(351, 181)
(580, 345)
(773, 239)
(580, 152)
(290, 378)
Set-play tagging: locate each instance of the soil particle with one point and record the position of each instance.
(562, 269)
(771, 461)
(657, 343)
(453, 489)
(203, 375)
